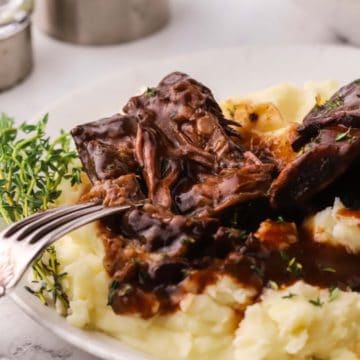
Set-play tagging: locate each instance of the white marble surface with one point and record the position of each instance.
(60, 68)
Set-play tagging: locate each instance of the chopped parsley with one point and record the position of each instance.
(118, 289)
(333, 294)
(280, 219)
(316, 302)
(334, 103)
(150, 92)
(234, 222)
(343, 136)
(284, 255)
(293, 266)
(290, 295)
(243, 235)
(187, 272)
(273, 285)
(237, 235)
(188, 240)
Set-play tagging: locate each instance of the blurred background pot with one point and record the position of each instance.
(343, 16)
(16, 60)
(100, 22)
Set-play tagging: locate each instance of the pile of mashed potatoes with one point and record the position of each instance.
(224, 322)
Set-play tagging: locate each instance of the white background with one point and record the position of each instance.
(61, 68)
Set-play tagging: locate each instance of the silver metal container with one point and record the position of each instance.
(100, 22)
(16, 60)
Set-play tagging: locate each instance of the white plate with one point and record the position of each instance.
(228, 73)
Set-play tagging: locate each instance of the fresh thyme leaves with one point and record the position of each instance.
(302, 151)
(238, 235)
(290, 295)
(188, 240)
(280, 219)
(284, 255)
(294, 267)
(243, 235)
(333, 294)
(32, 168)
(118, 289)
(48, 279)
(234, 222)
(343, 136)
(316, 302)
(187, 272)
(335, 103)
(150, 92)
(273, 285)
(114, 286)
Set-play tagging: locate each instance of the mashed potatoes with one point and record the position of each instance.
(301, 322)
(298, 322)
(335, 225)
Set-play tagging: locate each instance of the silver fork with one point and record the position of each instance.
(21, 242)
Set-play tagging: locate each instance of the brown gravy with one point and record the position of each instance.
(255, 263)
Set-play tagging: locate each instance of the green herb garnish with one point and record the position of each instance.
(32, 168)
(316, 302)
(234, 222)
(150, 92)
(186, 272)
(280, 219)
(333, 294)
(114, 286)
(118, 289)
(284, 255)
(48, 278)
(243, 235)
(335, 103)
(294, 267)
(329, 269)
(273, 285)
(290, 295)
(343, 135)
(188, 240)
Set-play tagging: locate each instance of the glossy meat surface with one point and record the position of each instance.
(206, 189)
(329, 143)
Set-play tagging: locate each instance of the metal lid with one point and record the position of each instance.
(14, 11)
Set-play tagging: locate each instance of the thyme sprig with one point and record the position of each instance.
(48, 278)
(316, 302)
(31, 170)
